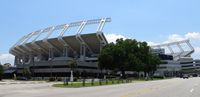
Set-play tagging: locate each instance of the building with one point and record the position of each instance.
(59, 55)
(176, 62)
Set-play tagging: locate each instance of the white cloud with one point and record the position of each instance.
(7, 58)
(170, 38)
(193, 35)
(190, 35)
(175, 37)
(113, 37)
(151, 43)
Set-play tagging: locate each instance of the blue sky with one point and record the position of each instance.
(154, 21)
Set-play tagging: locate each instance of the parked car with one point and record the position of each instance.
(194, 75)
(185, 76)
(22, 78)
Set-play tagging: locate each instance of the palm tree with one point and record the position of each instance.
(72, 65)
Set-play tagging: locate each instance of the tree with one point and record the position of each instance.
(26, 73)
(106, 60)
(72, 64)
(128, 55)
(1, 72)
(112, 57)
(154, 61)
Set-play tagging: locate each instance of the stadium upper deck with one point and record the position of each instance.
(32, 52)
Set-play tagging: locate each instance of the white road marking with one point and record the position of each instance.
(191, 90)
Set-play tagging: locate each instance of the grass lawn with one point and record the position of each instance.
(89, 84)
(97, 83)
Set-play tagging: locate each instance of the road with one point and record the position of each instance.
(175, 87)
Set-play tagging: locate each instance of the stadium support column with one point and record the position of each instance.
(23, 61)
(31, 58)
(65, 51)
(16, 60)
(39, 55)
(181, 49)
(82, 52)
(51, 55)
(170, 49)
(31, 64)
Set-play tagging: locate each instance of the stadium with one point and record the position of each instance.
(62, 54)
(176, 58)
(58, 55)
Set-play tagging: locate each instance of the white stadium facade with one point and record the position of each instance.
(52, 56)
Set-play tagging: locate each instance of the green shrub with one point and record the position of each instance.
(159, 77)
(52, 79)
(59, 79)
